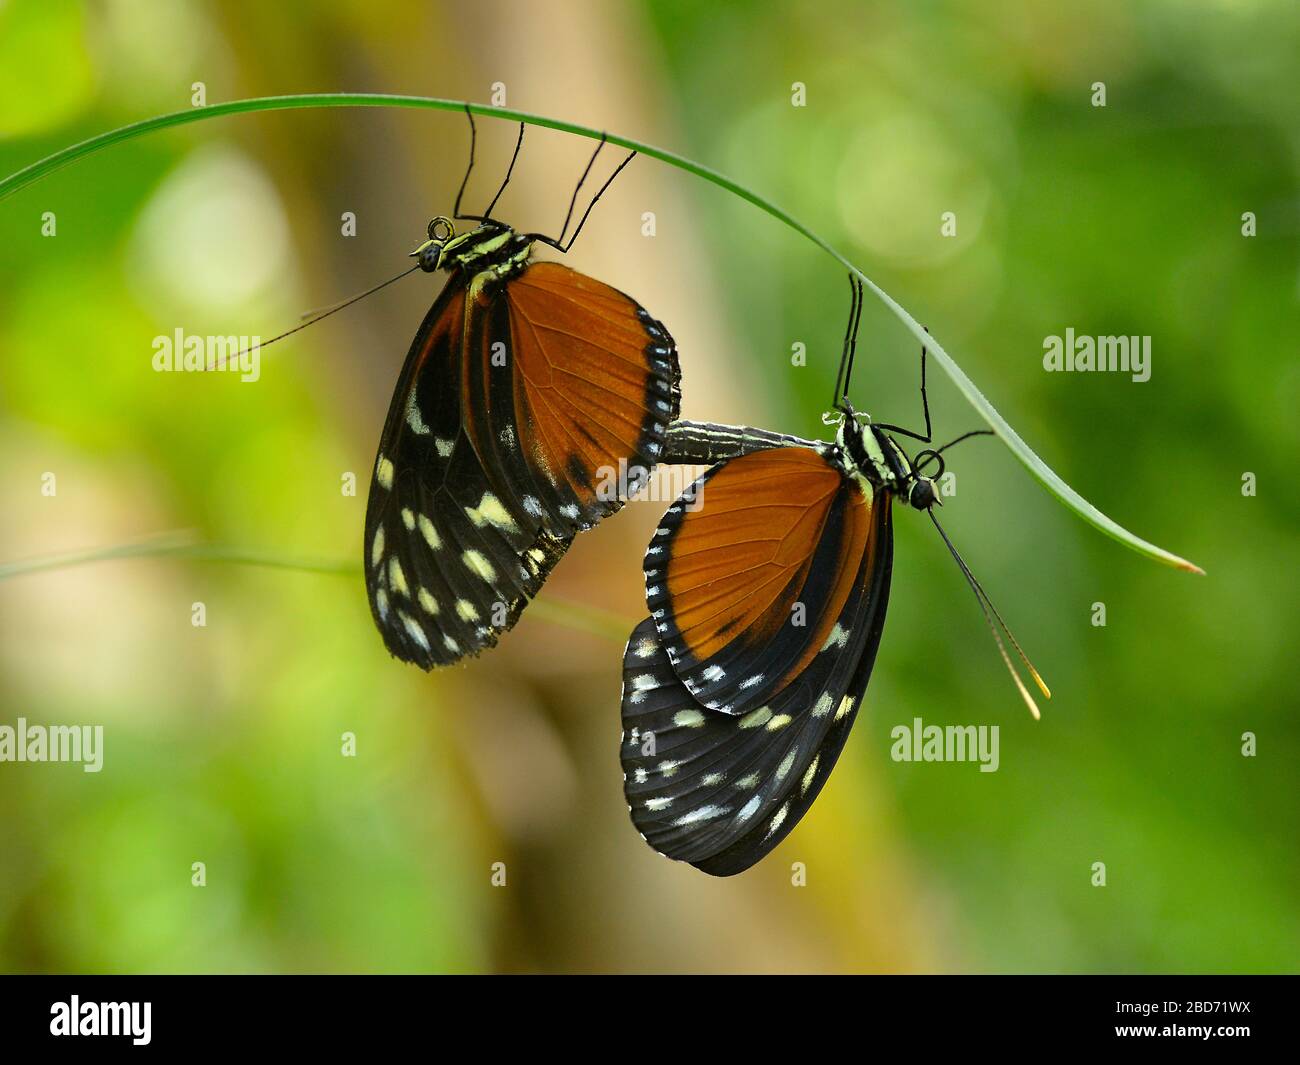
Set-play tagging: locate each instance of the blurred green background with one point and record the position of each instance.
(223, 742)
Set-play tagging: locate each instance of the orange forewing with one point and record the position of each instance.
(740, 562)
(582, 371)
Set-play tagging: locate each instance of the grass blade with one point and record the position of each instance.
(1036, 466)
(185, 545)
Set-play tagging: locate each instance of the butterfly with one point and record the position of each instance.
(767, 584)
(526, 384)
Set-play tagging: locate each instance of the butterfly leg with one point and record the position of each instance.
(560, 245)
(925, 405)
(568, 216)
(844, 375)
(473, 139)
(486, 215)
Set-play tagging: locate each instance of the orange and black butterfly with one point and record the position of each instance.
(526, 381)
(767, 584)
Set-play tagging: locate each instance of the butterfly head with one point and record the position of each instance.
(441, 232)
(921, 492)
(916, 487)
(490, 244)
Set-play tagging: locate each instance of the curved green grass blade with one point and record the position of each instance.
(1043, 472)
(1036, 466)
(180, 544)
(185, 545)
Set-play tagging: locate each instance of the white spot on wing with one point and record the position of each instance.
(839, 637)
(779, 819)
(490, 511)
(787, 763)
(429, 532)
(478, 564)
(810, 775)
(413, 629)
(396, 578)
(413, 416)
(702, 813)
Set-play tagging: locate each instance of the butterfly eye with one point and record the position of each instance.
(441, 229)
(430, 257)
(922, 495)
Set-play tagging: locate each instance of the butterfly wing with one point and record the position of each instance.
(721, 790)
(593, 390)
(483, 474)
(746, 583)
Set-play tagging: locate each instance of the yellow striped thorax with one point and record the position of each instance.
(492, 249)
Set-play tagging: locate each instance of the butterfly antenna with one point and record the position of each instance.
(845, 372)
(964, 436)
(510, 170)
(608, 182)
(473, 139)
(568, 217)
(316, 316)
(844, 348)
(924, 458)
(990, 613)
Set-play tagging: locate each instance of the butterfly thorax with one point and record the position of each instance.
(871, 455)
(491, 246)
